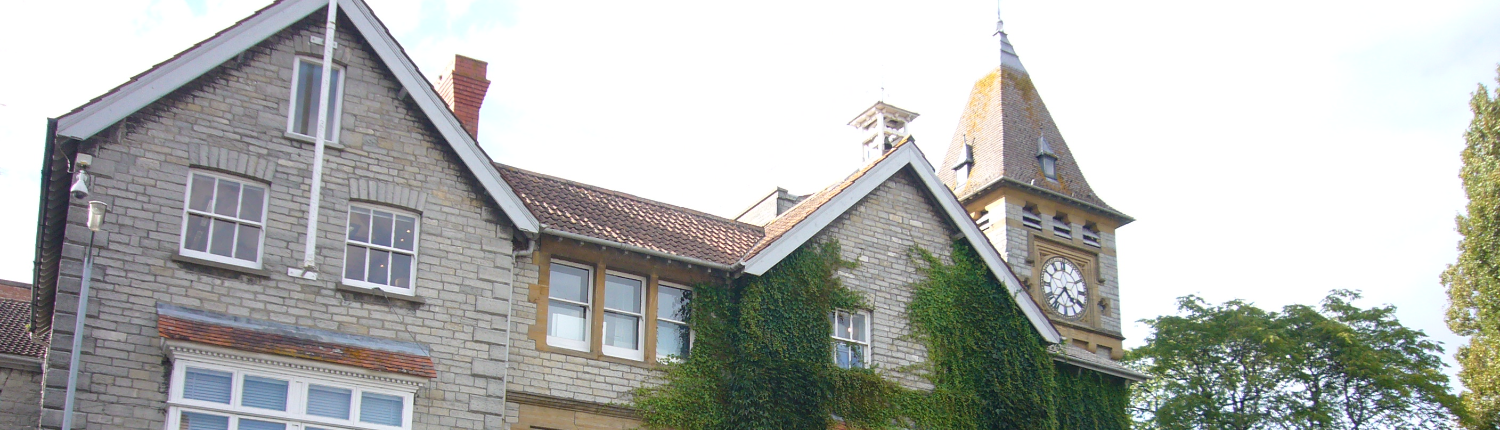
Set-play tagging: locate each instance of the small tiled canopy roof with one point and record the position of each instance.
(244, 334)
(600, 213)
(14, 313)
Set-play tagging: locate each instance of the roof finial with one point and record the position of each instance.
(999, 20)
(1008, 57)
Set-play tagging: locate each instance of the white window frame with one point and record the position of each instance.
(588, 310)
(692, 334)
(415, 252)
(298, 379)
(833, 327)
(187, 212)
(639, 353)
(337, 104)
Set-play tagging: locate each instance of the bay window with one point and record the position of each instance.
(208, 396)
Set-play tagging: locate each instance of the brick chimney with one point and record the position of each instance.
(463, 88)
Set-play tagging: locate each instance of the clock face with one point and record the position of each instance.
(1063, 284)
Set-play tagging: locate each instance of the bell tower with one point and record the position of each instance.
(1011, 168)
(880, 127)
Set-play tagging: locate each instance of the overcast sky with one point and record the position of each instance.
(1270, 150)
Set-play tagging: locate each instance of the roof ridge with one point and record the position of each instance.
(628, 196)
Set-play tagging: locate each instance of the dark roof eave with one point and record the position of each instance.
(51, 221)
(730, 269)
(1004, 182)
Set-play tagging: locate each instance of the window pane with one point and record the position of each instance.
(621, 293)
(328, 401)
(253, 200)
(197, 233)
(842, 325)
(672, 339)
(380, 228)
(197, 421)
(264, 393)
(380, 409)
(247, 245)
(333, 104)
(857, 331)
(305, 103)
(566, 320)
(227, 201)
(569, 283)
(202, 193)
(841, 355)
(223, 238)
(621, 331)
(379, 272)
(400, 270)
(359, 225)
(249, 424)
(406, 230)
(207, 385)
(354, 263)
(672, 303)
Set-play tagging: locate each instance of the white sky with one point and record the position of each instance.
(1271, 150)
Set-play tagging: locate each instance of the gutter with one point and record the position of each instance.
(37, 284)
(1003, 181)
(1122, 373)
(654, 253)
(20, 362)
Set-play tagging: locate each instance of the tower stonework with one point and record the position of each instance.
(1011, 168)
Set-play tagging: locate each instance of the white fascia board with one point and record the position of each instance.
(168, 77)
(177, 72)
(906, 155)
(437, 111)
(986, 250)
(824, 215)
(1122, 373)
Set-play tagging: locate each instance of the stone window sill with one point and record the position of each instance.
(309, 140)
(217, 265)
(379, 293)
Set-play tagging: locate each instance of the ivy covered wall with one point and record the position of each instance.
(761, 358)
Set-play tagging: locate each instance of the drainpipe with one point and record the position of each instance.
(510, 307)
(96, 220)
(315, 200)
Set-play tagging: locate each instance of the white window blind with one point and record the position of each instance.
(208, 385)
(380, 409)
(328, 401)
(264, 393)
(197, 421)
(249, 424)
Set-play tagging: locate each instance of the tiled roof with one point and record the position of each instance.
(623, 218)
(811, 203)
(13, 338)
(273, 338)
(1003, 122)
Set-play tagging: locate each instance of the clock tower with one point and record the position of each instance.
(1012, 170)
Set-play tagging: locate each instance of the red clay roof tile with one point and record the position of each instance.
(271, 343)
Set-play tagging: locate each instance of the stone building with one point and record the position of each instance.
(443, 289)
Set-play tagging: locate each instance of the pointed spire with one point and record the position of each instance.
(1008, 57)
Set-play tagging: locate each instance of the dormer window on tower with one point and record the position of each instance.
(965, 164)
(1061, 227)
(1046, 158)
(1031, 218)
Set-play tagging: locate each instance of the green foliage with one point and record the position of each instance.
(1091, 400)
(1235, 366)
(761, 359)
(1474, 281)
(989, 367)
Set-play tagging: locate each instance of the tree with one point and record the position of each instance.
(1213, 368)
(1361, 369)
(1474, 281)
(1339, 366)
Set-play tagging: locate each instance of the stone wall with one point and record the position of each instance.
(879, 234)
(20, 397)
(233, 120)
